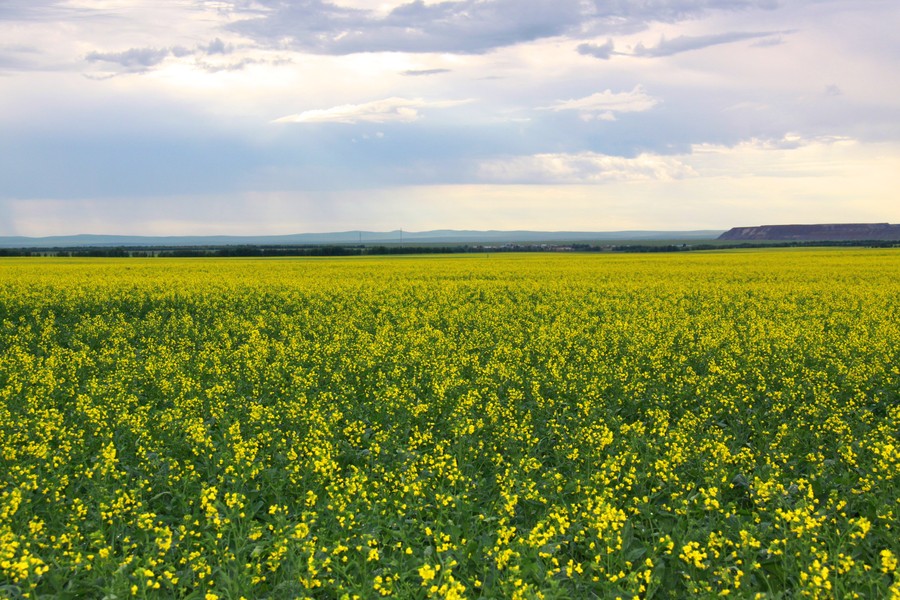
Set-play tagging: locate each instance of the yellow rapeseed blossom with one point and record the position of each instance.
(689, 424)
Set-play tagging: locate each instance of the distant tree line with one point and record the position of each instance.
(362, 250)
(260, 251)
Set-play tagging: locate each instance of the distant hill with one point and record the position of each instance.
(815, 233)
(442, 236)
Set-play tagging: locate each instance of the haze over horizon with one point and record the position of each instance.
(231, 117)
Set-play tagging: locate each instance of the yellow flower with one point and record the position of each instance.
(888, 561)
(427, 573)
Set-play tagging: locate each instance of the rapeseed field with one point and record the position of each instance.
(504, 426)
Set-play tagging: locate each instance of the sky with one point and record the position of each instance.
(254, 117)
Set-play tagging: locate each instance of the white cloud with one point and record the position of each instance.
(792, 156)
(604, 105)
(387, 110)
(583, 167)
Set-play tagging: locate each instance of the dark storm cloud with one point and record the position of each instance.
(462, 26)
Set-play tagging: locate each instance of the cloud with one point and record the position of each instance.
(604, 105)
(455, 26)
(18, 57)
(240, 65)
(31, 10)
(729, 93)
(423, 72)
(467, 26)
(217, 46)
(582, 167)
(602, 51)
(397, 110)
(135, 59)
(768, 42)
(686, 43)
(139, 60)
(463, 26)
(789, 141)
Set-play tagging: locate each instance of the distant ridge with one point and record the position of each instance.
(836, 232)
(440, 236)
